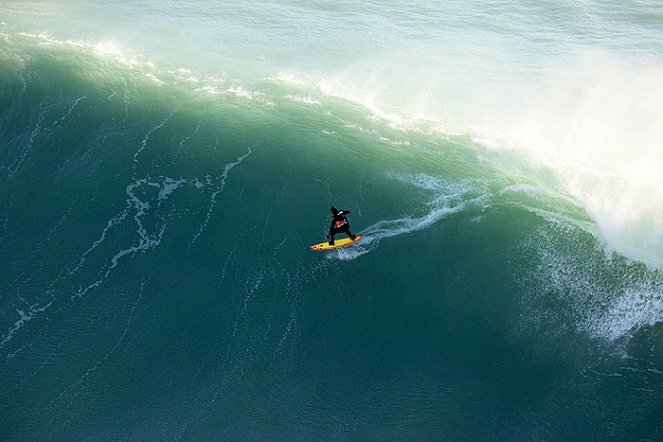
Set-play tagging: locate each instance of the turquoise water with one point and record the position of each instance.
(164, 166)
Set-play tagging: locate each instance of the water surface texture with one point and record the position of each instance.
(165, 164)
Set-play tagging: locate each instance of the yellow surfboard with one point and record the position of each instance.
(341, 242)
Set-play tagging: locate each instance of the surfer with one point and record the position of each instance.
(339, 224)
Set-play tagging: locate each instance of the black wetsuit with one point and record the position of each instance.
(339, 224)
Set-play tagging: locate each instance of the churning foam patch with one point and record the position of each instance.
(604, 146)
(599, 130)
(634, 309)
(603, 298)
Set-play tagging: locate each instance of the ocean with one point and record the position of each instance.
(164, 166)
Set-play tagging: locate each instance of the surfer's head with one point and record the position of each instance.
(333, 210)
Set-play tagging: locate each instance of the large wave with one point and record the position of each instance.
(155, 238)
(593, 120)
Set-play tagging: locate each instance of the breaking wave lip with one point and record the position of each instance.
(104, 48)
(158, 73)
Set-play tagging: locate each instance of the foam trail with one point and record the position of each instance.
(24, 87)
(24, 318)
(375, 233)
(111, 222)
(452, 198)
(71, 110)
(184, 141)
(126, 101)
(149, 133)
(25, 151)
(146, 241)
(226, 170)
(84, 291)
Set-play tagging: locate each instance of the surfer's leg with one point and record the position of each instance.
(346, 230)
(331, 237)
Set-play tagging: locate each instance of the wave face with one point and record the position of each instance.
(164, 166)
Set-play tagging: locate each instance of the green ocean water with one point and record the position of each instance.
(160, 185)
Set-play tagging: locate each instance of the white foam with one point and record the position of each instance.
(146, 239)
(290, 77)
(165, 188)
(628, 313)
(383, 229)
(241, 91)
(303, 99)
(593, 118)
(104, 48)
(423, 181)
(118, 219)
(447, 198)
(155, 79)
(25, 150)
(71, 109)
(585, 290)
(149, 133)
(209, 89)
(168, 186)
(24, 318)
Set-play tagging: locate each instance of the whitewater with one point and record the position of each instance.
(164, 166)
